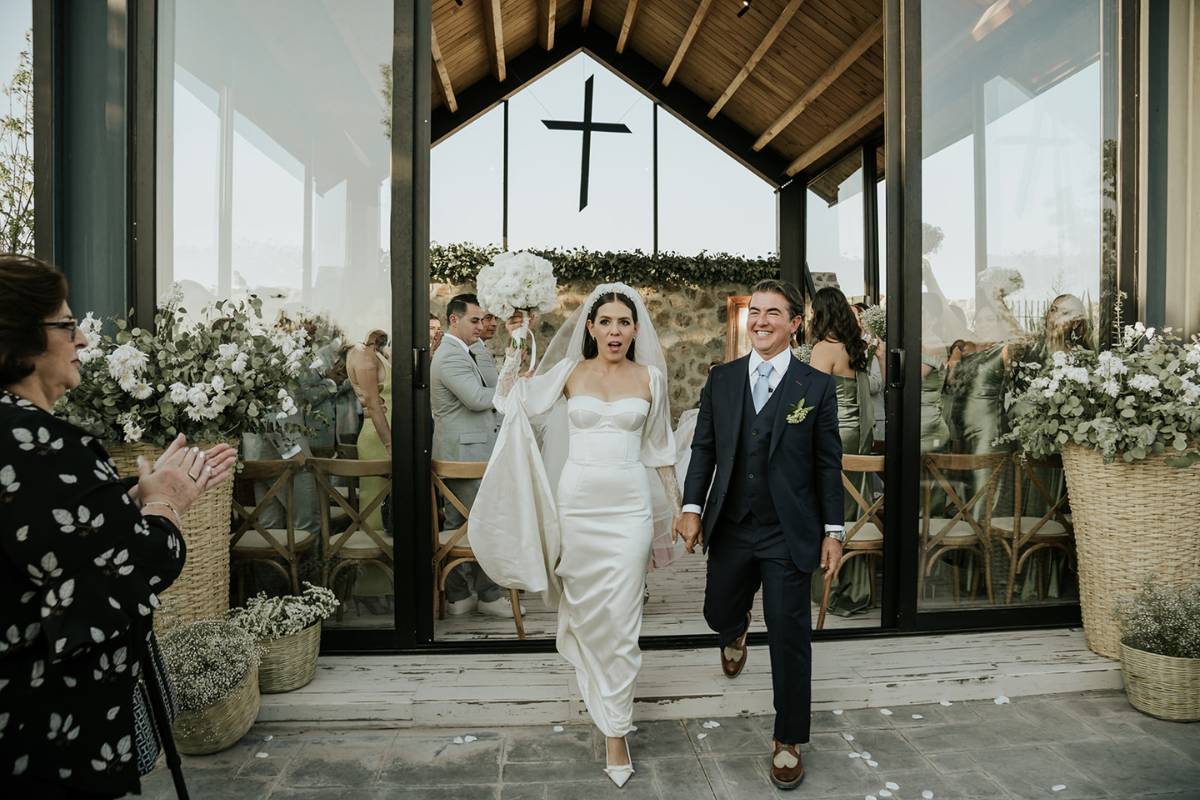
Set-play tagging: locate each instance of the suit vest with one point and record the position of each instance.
(749, 494)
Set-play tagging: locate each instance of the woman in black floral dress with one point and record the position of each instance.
(83, 556)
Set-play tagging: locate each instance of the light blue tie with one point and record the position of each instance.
(762, 386)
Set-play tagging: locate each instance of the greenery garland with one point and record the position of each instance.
(459, 263)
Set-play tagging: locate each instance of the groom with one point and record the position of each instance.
(768, 428)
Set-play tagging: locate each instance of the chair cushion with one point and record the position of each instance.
(867, 534)
(445, 536)
(253, 540)
(359, 540)
(1052, 527)
(959, 530)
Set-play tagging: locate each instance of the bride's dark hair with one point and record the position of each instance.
(833, 320)
(590, 348)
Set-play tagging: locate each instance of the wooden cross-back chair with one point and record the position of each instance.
(359, 541)
(968, 528)
(864, 536)
(452, 548)
(1026, 533)
(252, 542)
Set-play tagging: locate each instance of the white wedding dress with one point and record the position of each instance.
(606, 524)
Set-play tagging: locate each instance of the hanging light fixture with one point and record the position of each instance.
(745, 7)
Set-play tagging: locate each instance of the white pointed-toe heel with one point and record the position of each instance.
(619, 773)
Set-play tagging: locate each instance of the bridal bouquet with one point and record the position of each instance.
(874, 320)
(517, 282)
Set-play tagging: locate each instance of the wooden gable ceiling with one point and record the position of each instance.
(784, 88)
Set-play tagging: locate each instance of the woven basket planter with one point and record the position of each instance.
(202, 590)
(219, 726)
(1131, 521)
(289, 662)
(1162, 686)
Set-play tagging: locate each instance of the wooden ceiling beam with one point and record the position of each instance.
(692, 29)
(785, 17)
(493, 28)
(443, 75)
(837, 136)
(862, 44)
(585, 16)
(546, 28)
(627, 25)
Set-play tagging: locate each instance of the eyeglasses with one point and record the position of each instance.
(68, 325)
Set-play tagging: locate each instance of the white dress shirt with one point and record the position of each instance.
(779, 364)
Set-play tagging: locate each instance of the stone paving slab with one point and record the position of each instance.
(1092, 745)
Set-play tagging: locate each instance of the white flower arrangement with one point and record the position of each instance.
(1140, 398)
(207, 660)
(275, 617)
(874, 321)
(1163, 620)
(210, 380)
(515, 282)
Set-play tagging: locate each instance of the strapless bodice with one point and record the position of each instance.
(606, 431)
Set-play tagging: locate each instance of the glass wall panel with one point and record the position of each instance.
(545, 164)
(834, 227)
(16, 127)
(706, 200)
(273, 175)
(1013, 136)
(466, 184)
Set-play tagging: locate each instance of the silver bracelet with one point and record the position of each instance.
(167, 505)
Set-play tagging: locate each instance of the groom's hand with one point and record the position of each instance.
(687, 527)
(831, 555)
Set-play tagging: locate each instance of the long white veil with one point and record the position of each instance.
(567, 345)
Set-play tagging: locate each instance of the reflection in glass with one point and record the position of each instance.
(273, 174)
(16, 127)
(834, 227)
(1013, 138)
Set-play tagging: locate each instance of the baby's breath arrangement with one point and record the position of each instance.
(207, 660)
(211, 380)
(874, 320)
(803, 352)
(275, 617)
(1140, 398)
(1162, 620)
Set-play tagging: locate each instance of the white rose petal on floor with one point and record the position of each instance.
(1058, 787)
(702, 736)
(262, 755)
(866, 755)
(558, 728)
(1001, 700)
(918, 716)
(854, 755)
(885, 793)
(711, 724)
(848, 737)
(887, 712)
(895, 787)
(871, 763)
(458, 740)
(469, 738)
(926, 794)
(945, 703)
(838, 712)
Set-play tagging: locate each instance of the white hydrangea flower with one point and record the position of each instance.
(239, 364)
(1143, 382)
(179, 393)
(141, 390)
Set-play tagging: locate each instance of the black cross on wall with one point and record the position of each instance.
(587, 126)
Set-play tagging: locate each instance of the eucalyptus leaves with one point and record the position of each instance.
(1138, 399)
(275, 617)
(212, 380)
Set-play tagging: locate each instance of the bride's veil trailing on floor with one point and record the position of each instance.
(567, 345)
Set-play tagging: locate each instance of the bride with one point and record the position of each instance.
(600, 410)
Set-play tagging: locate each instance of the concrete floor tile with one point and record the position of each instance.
(1128, 768)
(438, 761)
(545, 744)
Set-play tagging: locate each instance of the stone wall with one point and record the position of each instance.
(691, 323)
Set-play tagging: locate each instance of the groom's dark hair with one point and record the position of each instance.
(590, 348)
(788, 290)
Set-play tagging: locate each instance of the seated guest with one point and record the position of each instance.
(84, 554)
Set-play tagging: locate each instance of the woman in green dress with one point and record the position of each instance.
(839, 350)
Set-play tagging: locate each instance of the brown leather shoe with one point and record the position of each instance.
(732, 667)
(787, 769)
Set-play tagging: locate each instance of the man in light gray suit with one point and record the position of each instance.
(464, 429)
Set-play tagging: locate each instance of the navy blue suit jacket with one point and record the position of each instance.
(805, 467)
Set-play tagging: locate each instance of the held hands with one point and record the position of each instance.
(687, 527)
(831, 556)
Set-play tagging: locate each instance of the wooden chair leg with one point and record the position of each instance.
(825, 594)
(515, 599)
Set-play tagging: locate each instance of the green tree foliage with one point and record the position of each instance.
(16, 159)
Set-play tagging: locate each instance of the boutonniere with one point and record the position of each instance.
(798, 413)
